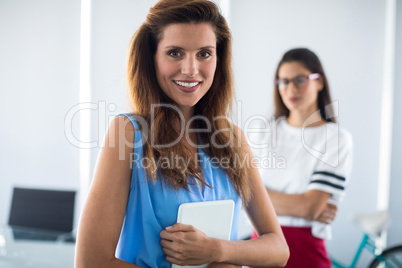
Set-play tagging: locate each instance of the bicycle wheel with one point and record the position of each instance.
(393, 257)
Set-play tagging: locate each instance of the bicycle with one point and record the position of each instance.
(372, 225)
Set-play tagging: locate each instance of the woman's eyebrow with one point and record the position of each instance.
(173, 47)
(206, 47)
(177, 47)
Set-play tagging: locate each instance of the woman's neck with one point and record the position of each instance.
(299, 119)
(189, 138)
(187, 112)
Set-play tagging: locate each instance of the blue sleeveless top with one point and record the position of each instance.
(151, 207)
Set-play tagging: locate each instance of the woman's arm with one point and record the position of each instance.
(330, 178)
(270, 248)
(185, 245)
(309, 205)
(103, 214)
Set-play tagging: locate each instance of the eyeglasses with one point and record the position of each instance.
(299, 81)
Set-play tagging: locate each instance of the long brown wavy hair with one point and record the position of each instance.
(312, 63)
(145, 92)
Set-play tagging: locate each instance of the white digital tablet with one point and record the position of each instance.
(214, 218)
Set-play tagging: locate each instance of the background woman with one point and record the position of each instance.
(317, 154)
(180, 82)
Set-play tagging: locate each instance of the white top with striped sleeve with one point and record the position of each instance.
(296, 160)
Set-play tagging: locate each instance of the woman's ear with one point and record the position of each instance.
(320, 81)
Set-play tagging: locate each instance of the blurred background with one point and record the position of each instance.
(62, 79)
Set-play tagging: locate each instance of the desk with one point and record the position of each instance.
(22, 247)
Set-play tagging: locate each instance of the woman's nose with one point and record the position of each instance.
(292, 87)
(189, 67)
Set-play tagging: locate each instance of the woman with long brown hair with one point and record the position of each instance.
(178, 146)
(317, 153)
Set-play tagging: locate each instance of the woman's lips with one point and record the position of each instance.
(293, 99)
(186, 88)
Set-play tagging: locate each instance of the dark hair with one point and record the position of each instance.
(144, 91)
(311, 62)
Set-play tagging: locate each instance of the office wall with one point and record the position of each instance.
(39, 83)
(395, 232)
(112, 25)
(348, 36)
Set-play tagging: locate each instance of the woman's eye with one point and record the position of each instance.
(300, 80)
(205, 54)
(174, 53)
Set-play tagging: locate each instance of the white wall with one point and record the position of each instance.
(348, 36)
(395, 232)
(39, 83)
(113, 25)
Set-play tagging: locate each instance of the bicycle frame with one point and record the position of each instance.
(367, 243)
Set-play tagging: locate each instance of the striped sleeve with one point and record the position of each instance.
(328, 182)
(332, 172)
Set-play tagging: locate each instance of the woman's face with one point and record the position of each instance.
(300, 97)
(185, 62)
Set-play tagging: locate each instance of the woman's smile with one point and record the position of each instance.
(187, 86)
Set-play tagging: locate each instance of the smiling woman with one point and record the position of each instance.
(159, 157)
(185, 62)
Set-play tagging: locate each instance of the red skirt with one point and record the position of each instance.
(306, 251)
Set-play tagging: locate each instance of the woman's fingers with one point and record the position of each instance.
(178, 232)
(190, 262)
(333, 208)
(324, 219)
(184, 244)
(167, 244)
(180, 227)
(329, 214)
(331, 211)
(171, 253)
(167, 235)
